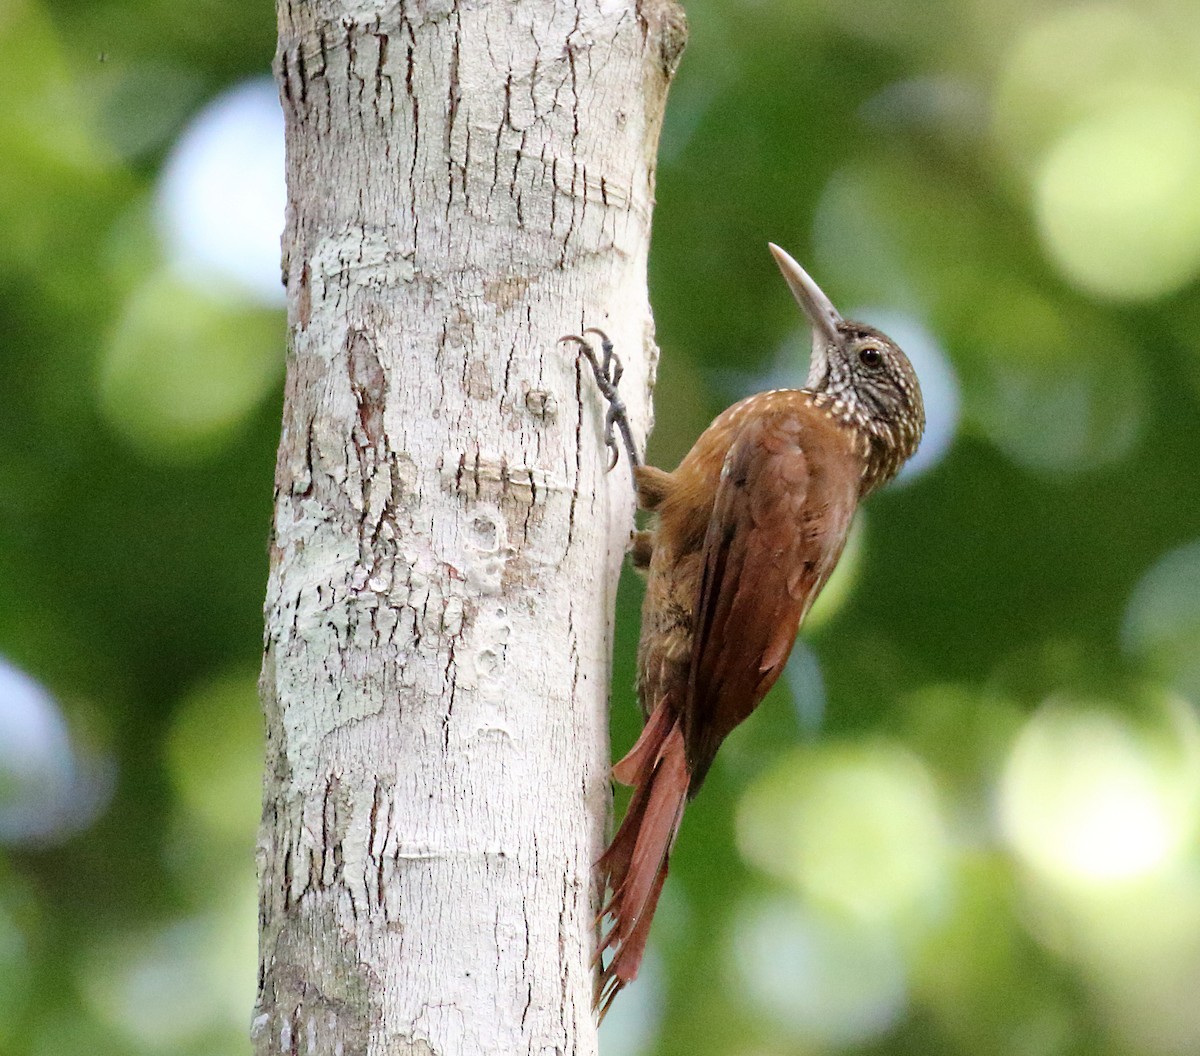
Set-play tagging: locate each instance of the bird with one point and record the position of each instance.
(745, 533)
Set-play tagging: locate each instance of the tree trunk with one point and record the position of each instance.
(467, 183)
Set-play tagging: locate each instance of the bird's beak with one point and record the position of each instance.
(822, 315)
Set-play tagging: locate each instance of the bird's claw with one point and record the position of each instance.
(607, 370)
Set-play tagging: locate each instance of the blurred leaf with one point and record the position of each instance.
(183, 368)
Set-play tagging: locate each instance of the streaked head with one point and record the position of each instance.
(869, 379)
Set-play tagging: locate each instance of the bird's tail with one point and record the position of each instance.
(635, 864)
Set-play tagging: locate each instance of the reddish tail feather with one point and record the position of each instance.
(635, 864)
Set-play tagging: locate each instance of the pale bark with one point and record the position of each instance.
(467, 183)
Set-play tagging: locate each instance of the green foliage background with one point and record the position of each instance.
(967, 823)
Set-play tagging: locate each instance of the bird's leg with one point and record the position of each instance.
(653, 486)
(642, 550)
(650, 484)
(607, 370)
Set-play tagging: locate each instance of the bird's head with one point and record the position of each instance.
(866, 378)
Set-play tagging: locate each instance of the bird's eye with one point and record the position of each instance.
(870, 356)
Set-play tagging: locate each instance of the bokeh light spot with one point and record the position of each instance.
(186, 987)
(816, 976)
(215, 754)
(802, 674)
(182, 369)
(1118, 198)
(858, 828)
(158, 988)
(1050, 400)
(1162, 619)
(47, 791)
(222, 193)
(1089, 800)
(1070, 62)
(36, 762)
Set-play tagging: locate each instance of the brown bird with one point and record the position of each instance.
(747, 531)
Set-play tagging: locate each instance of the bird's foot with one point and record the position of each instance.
(607, 370)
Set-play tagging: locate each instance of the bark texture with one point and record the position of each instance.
(468, 181)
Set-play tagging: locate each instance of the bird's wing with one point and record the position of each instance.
(782, 511)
